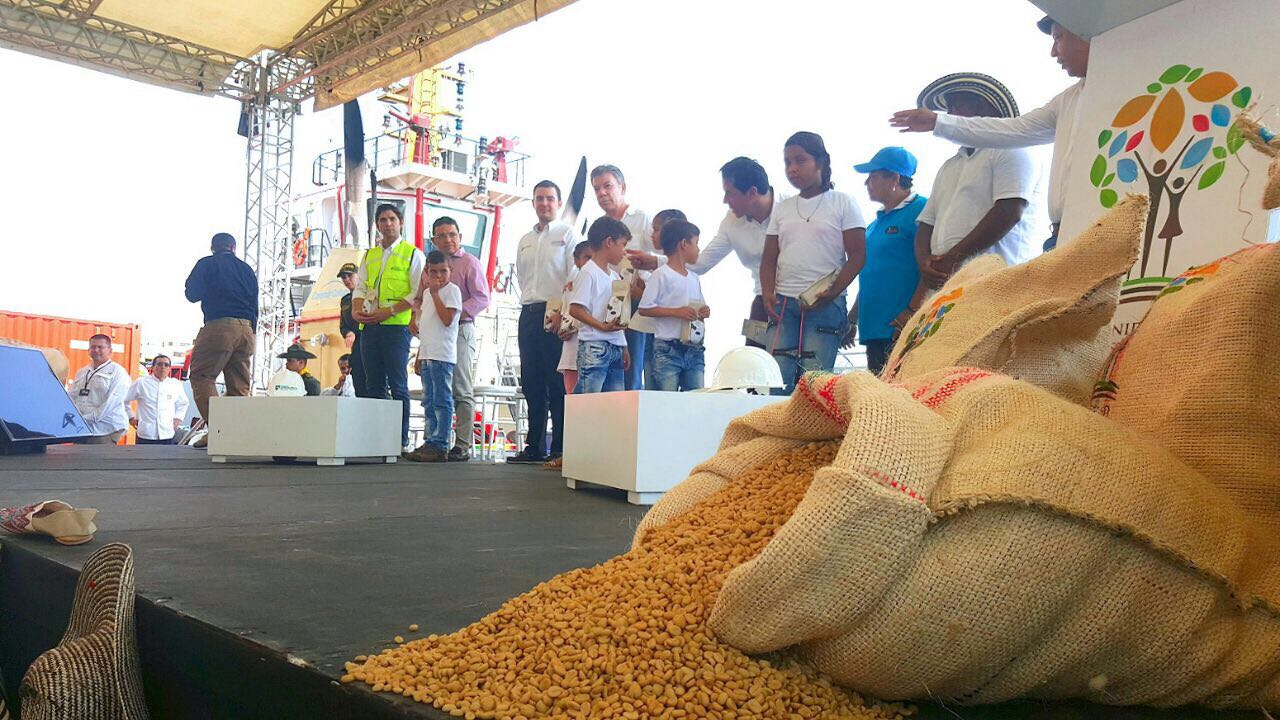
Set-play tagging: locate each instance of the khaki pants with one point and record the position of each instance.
(224, 346)
(464, 404)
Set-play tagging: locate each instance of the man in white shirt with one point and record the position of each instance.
(161, 404)
(544, 259)
(982, 200)
(751, 200)
(1053, 123)
(611, 194)
(98, 392)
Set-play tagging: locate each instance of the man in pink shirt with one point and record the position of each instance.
(466, 273)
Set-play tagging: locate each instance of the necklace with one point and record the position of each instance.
(816, 208)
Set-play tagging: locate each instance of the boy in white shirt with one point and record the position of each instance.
(673, 298)
(568, 366)
(602, 347)
(435, 321)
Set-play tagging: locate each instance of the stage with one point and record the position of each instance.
(257, 581)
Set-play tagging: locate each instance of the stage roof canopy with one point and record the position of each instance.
(1090, 18)
(329, 50)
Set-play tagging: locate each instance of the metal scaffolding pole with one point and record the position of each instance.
(269, 164)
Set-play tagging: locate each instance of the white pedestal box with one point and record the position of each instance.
(328, 429)
(646, 442)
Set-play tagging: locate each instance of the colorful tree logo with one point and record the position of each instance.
(1130, 149)
(931, 320)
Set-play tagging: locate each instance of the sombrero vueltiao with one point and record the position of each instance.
(934, 96)
(94, 672)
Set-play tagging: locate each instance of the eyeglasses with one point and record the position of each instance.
(161, 364)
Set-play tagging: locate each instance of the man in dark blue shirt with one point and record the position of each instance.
(227, 290)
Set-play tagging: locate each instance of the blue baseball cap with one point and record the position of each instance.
(894, 159)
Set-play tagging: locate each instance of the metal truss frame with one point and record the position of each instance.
(70, 32)
(345, 39)
(351, 37)
(267, 229)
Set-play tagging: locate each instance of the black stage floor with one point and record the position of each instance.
(257, 581)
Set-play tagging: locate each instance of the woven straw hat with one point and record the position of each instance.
(93, 673)
(934, 96)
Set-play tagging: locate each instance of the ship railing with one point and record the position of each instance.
(393, 148)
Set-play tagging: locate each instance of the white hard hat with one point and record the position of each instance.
(286, 383)
(747, 368)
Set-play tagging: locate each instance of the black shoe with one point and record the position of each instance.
(524, 457)
(459, 454)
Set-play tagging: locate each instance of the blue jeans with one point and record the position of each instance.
(437, 402)
(599, 367)
(676, 366)
(650, 363)
(816, 350)
(384, 350)
(636, 345)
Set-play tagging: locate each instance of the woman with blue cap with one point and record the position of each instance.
(889, 287)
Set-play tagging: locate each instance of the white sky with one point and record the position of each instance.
(112, 188)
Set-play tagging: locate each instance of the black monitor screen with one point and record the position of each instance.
(33, 405)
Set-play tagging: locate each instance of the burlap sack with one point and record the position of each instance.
(1267, 143)
(978, 539)
(1201, 376)
(1271, 194)
(1044, 321)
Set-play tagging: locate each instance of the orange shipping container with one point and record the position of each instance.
(71, 337)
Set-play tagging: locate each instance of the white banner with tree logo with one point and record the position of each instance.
(1157, 117)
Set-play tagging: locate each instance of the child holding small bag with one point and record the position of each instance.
(673, 298)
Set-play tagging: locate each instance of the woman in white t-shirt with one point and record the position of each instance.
(815, 246)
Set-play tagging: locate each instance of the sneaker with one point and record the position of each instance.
(524, 457)
(427, 454)
(459, 454)
(202, 441)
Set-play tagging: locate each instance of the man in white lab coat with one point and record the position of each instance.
(161, 404)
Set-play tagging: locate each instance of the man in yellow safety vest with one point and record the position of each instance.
(382, 302)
